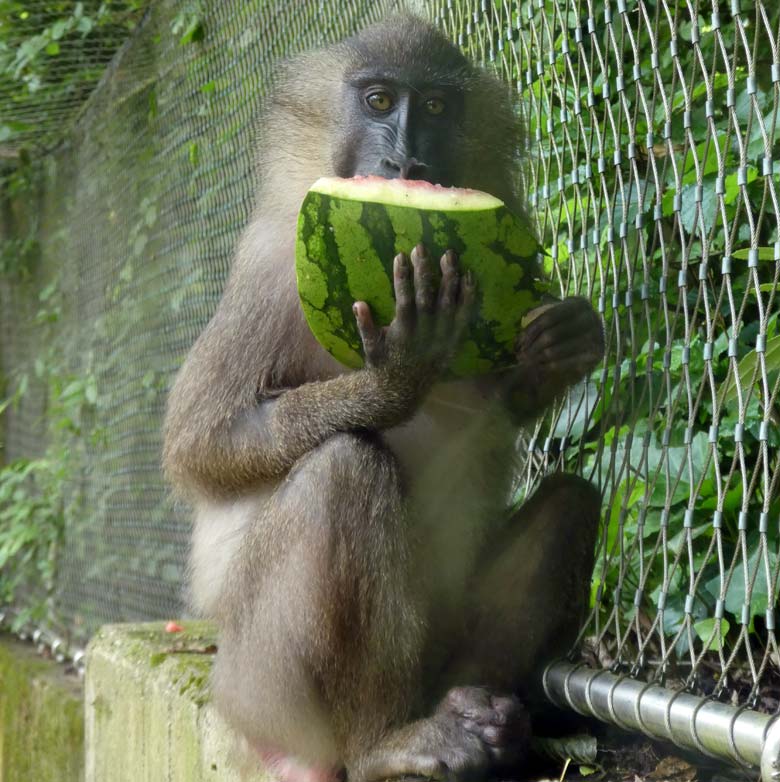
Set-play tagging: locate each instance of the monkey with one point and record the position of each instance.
(382, 611)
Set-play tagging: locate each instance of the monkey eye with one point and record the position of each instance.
(380, 101)
(435, 106)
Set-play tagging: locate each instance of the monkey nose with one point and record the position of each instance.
(405, 168)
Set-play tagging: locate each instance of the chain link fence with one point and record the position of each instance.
(654, 179)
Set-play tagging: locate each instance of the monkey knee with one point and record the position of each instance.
(572, 492)
(565, 506)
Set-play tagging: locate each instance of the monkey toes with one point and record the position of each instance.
(473, 734)
(499, 722)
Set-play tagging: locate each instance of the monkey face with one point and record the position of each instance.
(396, 128)
(409, 104)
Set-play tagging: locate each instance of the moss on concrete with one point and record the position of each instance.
(41, 718)
(147, 707)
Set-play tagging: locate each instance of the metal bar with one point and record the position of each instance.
(738, 735)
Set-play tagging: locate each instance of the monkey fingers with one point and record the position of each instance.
(405, 311)
(561, 330)
(450, 282)
(373, 338)
(425, 293)
(571, 316)
(449, 303)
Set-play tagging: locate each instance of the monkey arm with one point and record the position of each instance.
(264, 440)
(281, 429)
(556, 350)
(220, 437)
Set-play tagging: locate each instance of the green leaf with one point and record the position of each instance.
(580, 748)
(48, 291)
(59, 28)
(736, 593)
(733, 189)
(138, 248)
(53, 49)
(90, 391)
(764, 254)
(705, 628)
(727, 393)
(764, 287)
(193, 32)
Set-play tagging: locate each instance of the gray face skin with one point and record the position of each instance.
(396, 128)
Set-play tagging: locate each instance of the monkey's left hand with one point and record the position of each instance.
(560, 345)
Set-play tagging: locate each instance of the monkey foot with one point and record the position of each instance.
(499, 722)
(472, 734)
(286, 768)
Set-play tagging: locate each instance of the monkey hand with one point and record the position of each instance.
(411, 353)
(561, 344)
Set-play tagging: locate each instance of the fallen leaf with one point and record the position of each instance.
(579, 749)
(672, 769)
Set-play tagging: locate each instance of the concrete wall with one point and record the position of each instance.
(41, 718)
(141, 714)
(148, 717)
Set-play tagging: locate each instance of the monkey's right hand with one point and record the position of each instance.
(413, 351)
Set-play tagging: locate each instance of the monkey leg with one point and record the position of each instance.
(525, 606)
(319, 643)
(532, 589)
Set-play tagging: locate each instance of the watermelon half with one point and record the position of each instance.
(349, 231)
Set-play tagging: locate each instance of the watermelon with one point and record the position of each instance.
(349, 231)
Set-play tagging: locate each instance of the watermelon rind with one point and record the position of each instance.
(349, 231)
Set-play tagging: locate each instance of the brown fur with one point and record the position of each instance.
(344, 519)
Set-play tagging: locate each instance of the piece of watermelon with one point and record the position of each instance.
(349, 231)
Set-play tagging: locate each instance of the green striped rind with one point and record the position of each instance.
(345, 250)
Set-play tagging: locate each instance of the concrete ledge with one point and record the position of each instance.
(148, 718)
(41, 718)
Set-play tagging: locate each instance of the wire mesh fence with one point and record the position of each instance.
(134, 226)
(51, 61)
(656, 187)
(654, 180)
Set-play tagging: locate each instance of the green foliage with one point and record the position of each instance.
(31, 525)
(36, 498)
(677, 481)
(188, 23)
(19, 243)
(51, 55)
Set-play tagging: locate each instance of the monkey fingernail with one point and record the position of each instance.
(401, 265)
(420, 251)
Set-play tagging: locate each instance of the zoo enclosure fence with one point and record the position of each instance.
(654, 178)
